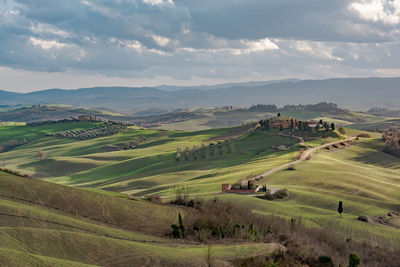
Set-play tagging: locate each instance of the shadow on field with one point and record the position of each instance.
(373, 155)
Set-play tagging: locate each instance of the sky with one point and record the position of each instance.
(83, 43)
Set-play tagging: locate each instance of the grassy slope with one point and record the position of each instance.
(364, 178)
(52, 225)
(208, 119)
(152, 166)
(9, 132)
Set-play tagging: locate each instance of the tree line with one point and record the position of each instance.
(211, 150)
(391, 137)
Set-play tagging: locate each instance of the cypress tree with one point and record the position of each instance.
(340, 208)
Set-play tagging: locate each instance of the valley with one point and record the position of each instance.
(145, 166)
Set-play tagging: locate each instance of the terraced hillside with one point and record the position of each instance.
(44, 224)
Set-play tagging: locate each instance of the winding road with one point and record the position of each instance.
(303, 157)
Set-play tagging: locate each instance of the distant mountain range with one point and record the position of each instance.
(353, 93)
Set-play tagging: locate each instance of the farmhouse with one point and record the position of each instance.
(227, 188)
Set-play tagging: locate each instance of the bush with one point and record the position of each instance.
(280, 194)
(363, 135)
(154, 199)
(354, 260)
(222, 222)
(325, 261)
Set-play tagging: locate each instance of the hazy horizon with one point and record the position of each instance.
(154, 84)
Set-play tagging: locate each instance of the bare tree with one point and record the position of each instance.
(210, 256)
(41, 155)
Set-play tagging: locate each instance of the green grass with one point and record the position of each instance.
(19, 132)
(45, 224)
(363, 177)
(211, 119)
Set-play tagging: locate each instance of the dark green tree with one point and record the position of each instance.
(220, 148)
(354, 260)
(176, 232)
(279, 114)
(181, 226)
(281, 128)
(332, 126)
(187, 156)
(340, 208)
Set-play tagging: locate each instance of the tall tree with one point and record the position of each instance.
(181, 226)
(187, 157)
(220, 148)
(332, 126)
(195, 152)
(340, 208)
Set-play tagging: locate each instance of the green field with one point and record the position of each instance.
(52, 225)
(364, 178)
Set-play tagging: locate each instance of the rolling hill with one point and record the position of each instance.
(44, 224)
(112, 229)
(353, 93)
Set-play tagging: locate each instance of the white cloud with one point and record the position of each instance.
(260, 45)
(46, 44)
(160, 40)
(157, 2)
(384, 11)
(316, 49)
(41, 28)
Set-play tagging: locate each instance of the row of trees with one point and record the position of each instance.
(6, 146)
(108, 128)
(263, 108)
(203, 151)
(300, 125)
(391, 137)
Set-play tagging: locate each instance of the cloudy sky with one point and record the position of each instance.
(80, 43)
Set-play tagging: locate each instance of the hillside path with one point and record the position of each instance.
(303, 157)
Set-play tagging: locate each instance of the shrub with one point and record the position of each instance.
(222, 222)
(154, 199)
(363, 135)
(354, 260)
(341, 130)
(279, 194)
(391, 138)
